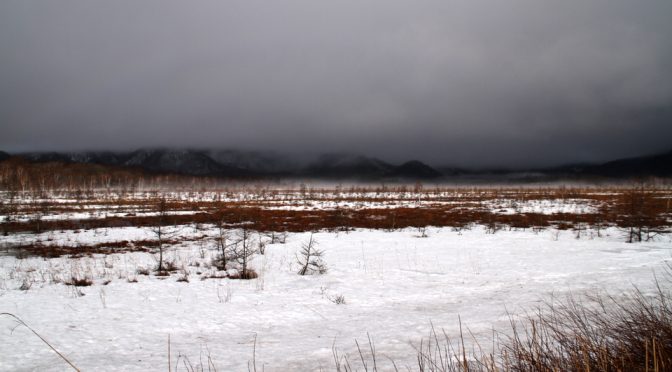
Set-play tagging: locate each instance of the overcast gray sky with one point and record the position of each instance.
(474, 83)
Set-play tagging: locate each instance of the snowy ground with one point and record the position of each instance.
(395, 285)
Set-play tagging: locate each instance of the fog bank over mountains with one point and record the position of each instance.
(273, 165)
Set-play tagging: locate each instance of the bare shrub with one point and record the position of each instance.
(422, 232)
(170, 266)
(26, 284)
(277, 237)
(337, 299)
(247, 274)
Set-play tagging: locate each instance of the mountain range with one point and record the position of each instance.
(258, 164)
(658, 165)
(245, 164)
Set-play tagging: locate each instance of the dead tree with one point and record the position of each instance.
(242, 252)
(162, 229)
(224, 246)
(310, 259)
(40, 209)
(221, 244)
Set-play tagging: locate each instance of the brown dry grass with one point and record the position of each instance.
(632, 332)
(55, 250)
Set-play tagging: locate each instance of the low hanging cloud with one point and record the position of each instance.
(515, 83)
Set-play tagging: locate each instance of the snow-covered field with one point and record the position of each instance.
(395, 286)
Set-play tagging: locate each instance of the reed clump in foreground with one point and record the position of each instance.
(632, 332)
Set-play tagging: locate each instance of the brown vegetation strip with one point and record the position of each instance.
(653, 215)
(55, 250)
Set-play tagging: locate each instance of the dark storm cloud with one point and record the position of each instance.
(522, 82)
